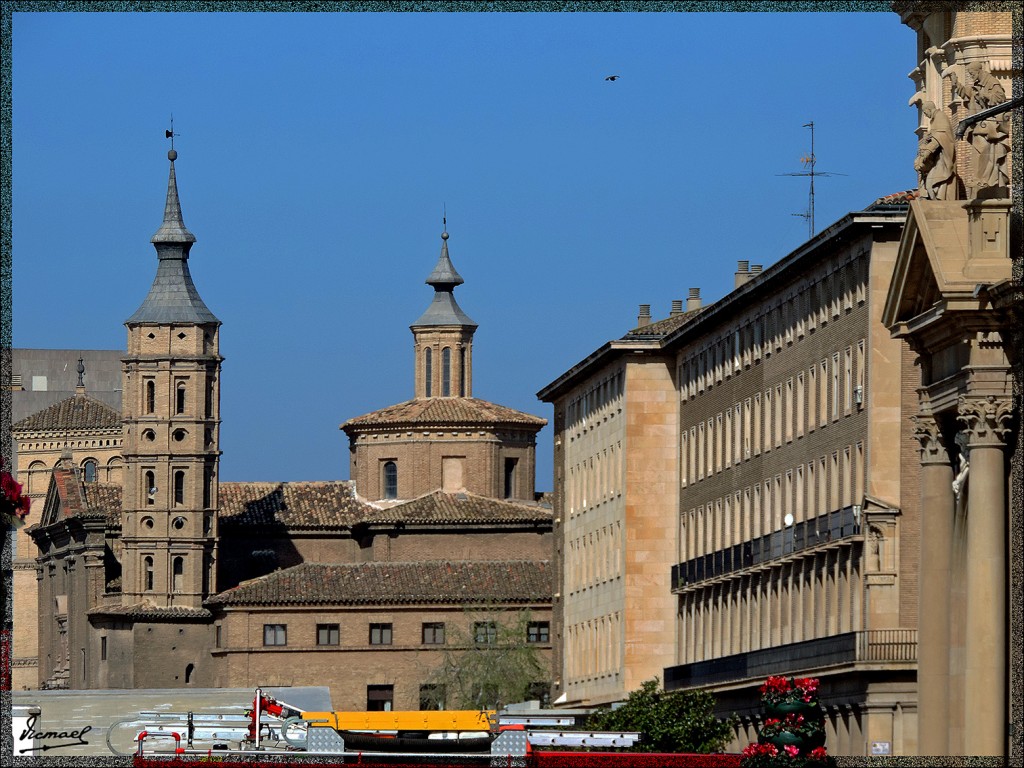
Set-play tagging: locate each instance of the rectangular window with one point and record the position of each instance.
(789, 410)
(485, 632)
(823, 394)
(380, 634)
(800, 412)
(510, 478)
(380, 698)
(218, 631)
(432, 697)
(835, 386)
(848, 380)
(778, 415)
(538, 632)
(433, 633)
(275, 634)
(328, 634)
(757, 424)
(746, 428)
(103, 648)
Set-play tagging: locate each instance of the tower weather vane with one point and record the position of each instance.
(170, 134)
(809, 161)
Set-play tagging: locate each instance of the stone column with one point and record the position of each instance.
(986, 712)
(937, 506)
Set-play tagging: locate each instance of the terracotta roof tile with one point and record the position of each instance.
(440, 507)
(665, 326)
(79, 412)
(149, 612)
(329, 504)
(103, 499)
(508, 581)
(445, 412)
(897, 198)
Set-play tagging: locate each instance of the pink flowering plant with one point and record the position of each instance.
(791, 723)
(14, 505)
(781, 690)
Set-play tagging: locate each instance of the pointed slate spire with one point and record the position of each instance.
(444, 310)
(173, 298)
(173, 228)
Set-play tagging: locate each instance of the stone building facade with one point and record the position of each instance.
(955, 299)
(162, 576)
(754, 491)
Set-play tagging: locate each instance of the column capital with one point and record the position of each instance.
(986, 420)
(931, 438)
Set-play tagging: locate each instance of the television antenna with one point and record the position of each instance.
(809, 162)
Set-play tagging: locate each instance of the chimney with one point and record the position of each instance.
(754, 270)
(693, 300)
(645, 316)
(677, 307)
(742, 273)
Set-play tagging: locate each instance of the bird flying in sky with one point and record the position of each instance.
(612, 78)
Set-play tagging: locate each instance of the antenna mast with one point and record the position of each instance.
(809, 163)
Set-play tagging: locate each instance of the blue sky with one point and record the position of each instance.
(317, 152)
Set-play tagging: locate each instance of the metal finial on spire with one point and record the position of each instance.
(81, 372)
(170, 135)
(444, 221)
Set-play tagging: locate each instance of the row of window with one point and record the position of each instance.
(177, 573)
(432, 633)
(798, 494)
(594, 648)
(791, 319)
(595, 479)
(150, 490)
(787, 411)
(180, 397)
(446, 372)
(452, 474)
(601, 400)
(812, 598)
(381, 698)
(594, 557)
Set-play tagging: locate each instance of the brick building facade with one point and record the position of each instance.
(161, 576)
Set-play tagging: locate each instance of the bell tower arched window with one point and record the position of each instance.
(462, 372)
(179, 398)
(150, 489)
(150, 396)
(428, 371)
(179, 487)
(446, 372)
(147, 573)
(177, 573)
(89, 470)
(390, 480)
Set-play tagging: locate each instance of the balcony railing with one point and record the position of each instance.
(867, 646)
(832, 526)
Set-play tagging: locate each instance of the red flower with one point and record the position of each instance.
(818, 754)
(792, 750)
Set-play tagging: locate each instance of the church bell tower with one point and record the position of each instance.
(171, 411)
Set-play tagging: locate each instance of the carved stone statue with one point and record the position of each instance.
(990, 138)
(935, 163)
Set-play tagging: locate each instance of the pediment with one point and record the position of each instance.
(63, 496)
(931, 261)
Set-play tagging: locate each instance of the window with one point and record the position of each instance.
(177, 574)
(433, 634)
(275, 634)
(380, 634)
(428, 371)
(103, 648)
(390, 480)
(150, 489)
(446, 372)
(147, 573)
(380, 698)
(179, 397)
(179, 487)
(485, 632)
(150, 396)
(432, 696)
(538, 632)
(89, 470)
(218, 635)
(328, 634)
(462, 372)
(207, 488)
(510, 478)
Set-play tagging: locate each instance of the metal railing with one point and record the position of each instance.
(849, 648)
(831, 526)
